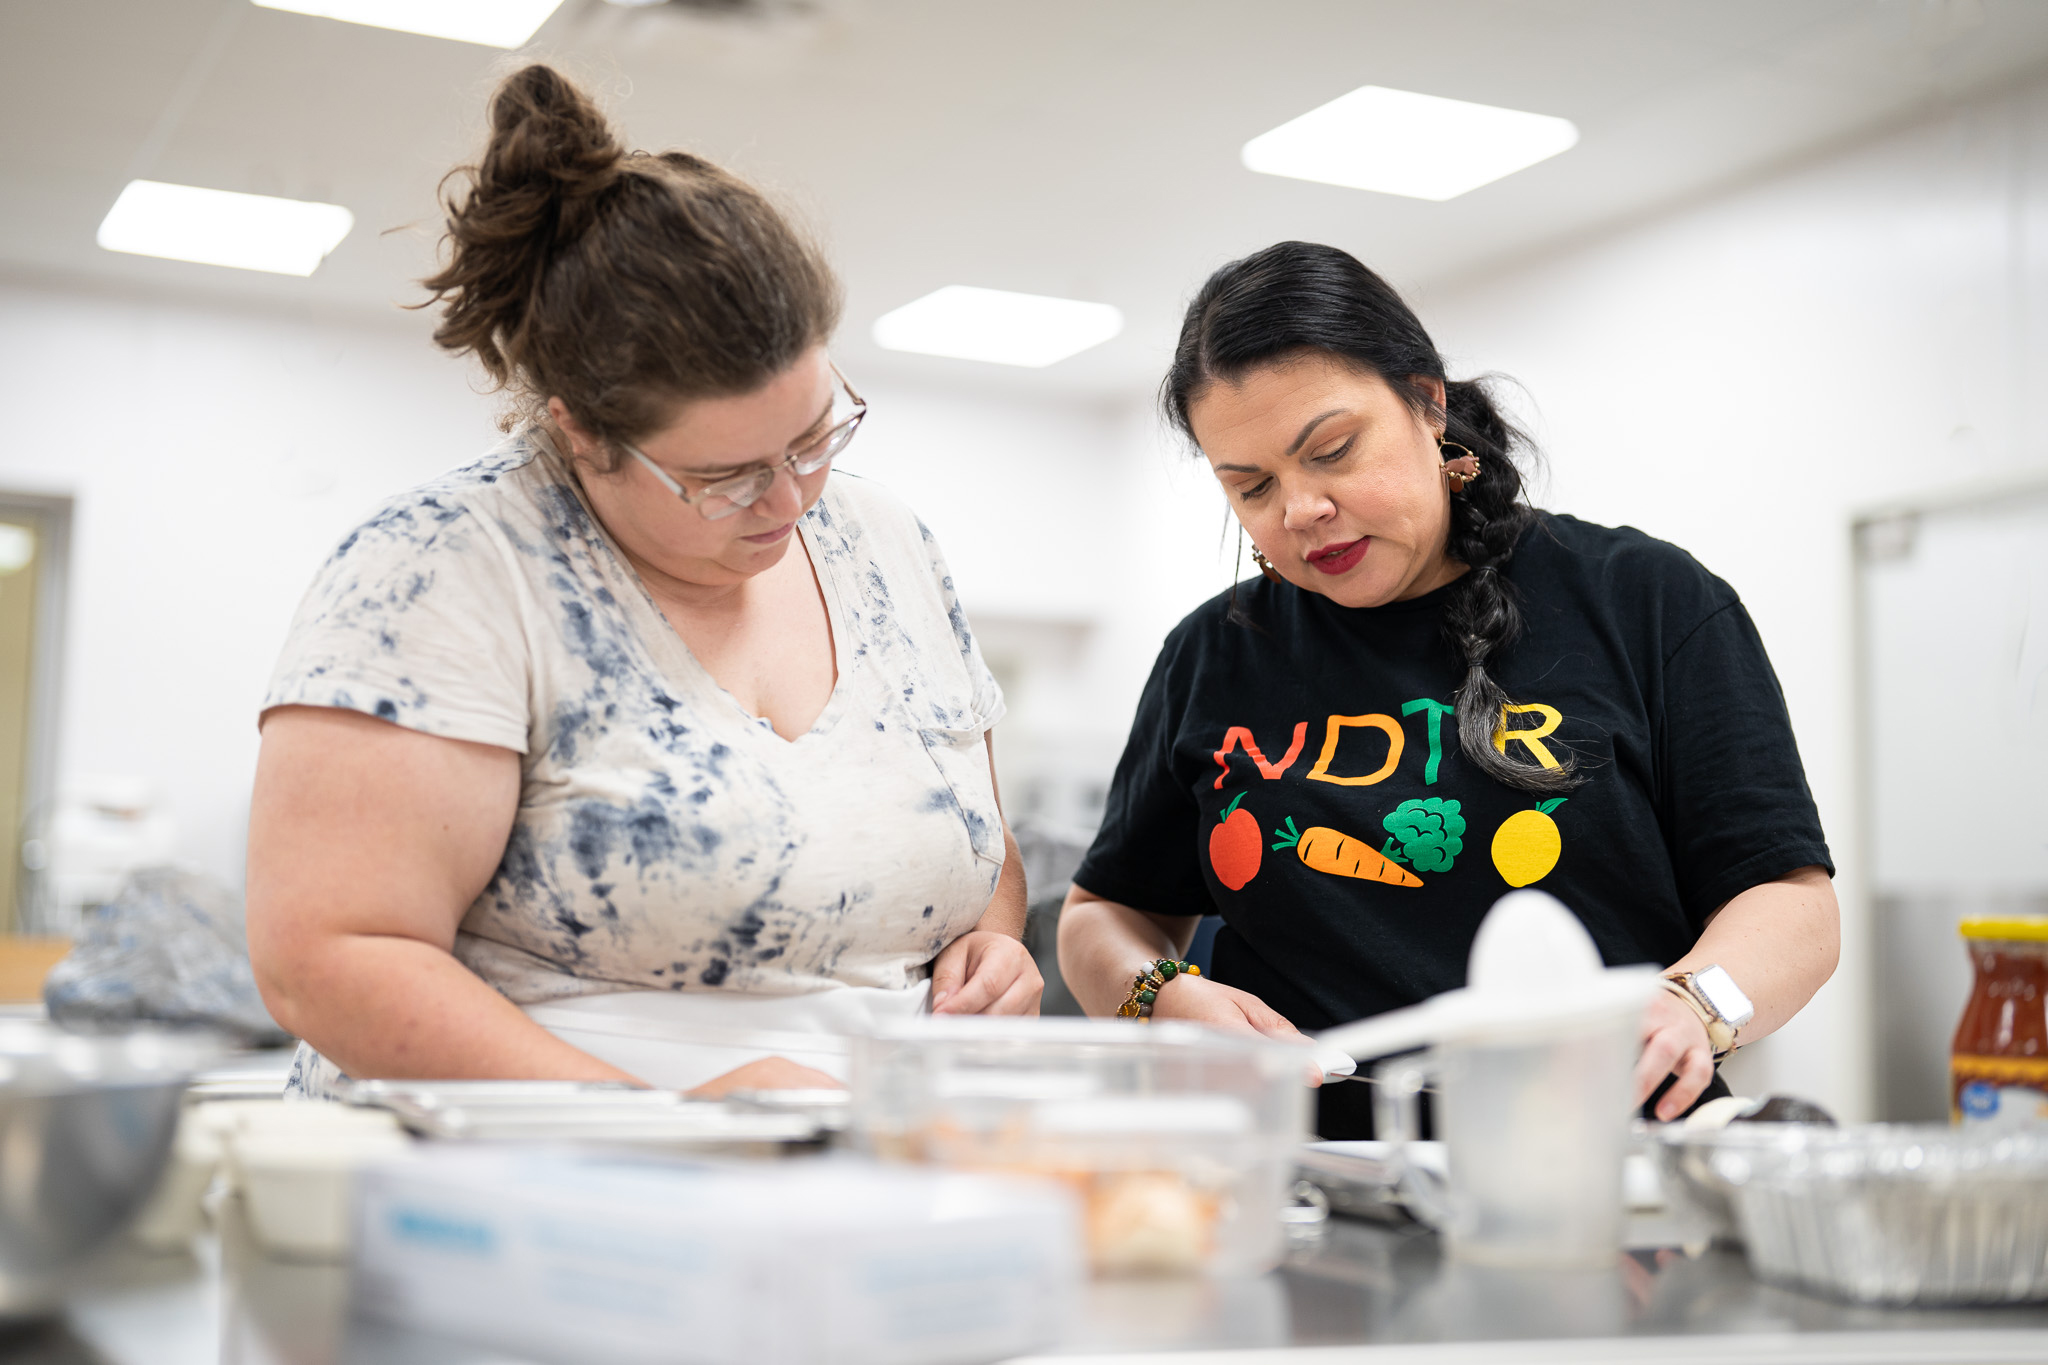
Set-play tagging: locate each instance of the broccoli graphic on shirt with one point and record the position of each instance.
(1431, 833)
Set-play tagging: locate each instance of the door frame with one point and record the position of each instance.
(1875, 536)
(51, 515)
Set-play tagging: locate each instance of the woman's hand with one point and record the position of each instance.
(1674, 1044)
(766, 1073)
(987, 970)
(984, 972)
(1223, 1007)
(1780, 941)
(1203, 1001)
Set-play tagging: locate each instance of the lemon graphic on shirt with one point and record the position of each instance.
(1527, 844)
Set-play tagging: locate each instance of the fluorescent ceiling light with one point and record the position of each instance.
(997, 326)
(1399, 142)
(493, 23)
(217, 227)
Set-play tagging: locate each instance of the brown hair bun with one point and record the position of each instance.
(623, 283)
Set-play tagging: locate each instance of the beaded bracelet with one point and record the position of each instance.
(1145, 986)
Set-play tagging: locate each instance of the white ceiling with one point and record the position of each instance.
(1086, 148)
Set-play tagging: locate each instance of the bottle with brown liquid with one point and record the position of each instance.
(1998, 1064)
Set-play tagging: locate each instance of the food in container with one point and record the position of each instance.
(1179, 1140)
(1892, 1213)
(1998, 1063)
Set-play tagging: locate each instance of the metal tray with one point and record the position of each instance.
(1894, 1213)
(1363, 1179)
(563, 1111)
(831, 1109)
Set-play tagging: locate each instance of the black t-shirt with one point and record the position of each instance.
(1301, 777)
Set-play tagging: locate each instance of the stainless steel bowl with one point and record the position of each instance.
(86, 1123)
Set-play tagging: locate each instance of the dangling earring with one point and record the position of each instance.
(1459, 471)
(1258, 558)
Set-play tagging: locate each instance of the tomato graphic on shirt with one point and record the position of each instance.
(1236, 846)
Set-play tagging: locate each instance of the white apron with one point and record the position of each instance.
(675, 1041)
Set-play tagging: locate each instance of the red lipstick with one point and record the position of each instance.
(1341, 558)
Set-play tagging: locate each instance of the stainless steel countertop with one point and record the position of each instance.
(1358, 1292)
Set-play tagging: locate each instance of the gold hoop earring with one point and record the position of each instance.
(1458, 471)
(1266, 565)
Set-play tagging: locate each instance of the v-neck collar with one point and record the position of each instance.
(672, 656)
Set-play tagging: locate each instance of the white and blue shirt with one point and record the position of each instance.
(665, 838)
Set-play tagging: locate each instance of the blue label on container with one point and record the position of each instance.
(445, 1231)
(1979, 1100)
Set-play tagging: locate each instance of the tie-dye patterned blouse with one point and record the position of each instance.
(665, 838)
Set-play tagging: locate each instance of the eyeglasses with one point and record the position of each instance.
(725, 496)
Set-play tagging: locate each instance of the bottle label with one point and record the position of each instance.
(2008, 1092)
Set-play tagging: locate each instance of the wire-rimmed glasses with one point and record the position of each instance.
(728, 494)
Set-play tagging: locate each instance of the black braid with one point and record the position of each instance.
(1481, 617)
(1297, 297)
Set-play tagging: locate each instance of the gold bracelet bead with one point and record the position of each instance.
(1146, 985)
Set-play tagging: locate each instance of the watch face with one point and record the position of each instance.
(1724, 996)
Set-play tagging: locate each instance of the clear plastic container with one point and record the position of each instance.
(1534, 1130)
(644, 1260)
(1179, 1140)
(1893, 1213)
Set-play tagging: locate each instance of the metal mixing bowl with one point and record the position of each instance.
(86, 1122)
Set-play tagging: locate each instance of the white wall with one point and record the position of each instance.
(215, 458)
(217, 455)
(1080, 514)
(1742, 377)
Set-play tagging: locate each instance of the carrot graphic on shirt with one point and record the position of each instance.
(1340, 855)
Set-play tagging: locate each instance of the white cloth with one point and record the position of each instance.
(666, 840)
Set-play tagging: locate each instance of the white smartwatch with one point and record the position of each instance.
(1713, 995)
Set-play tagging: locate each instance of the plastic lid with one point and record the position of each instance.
(1127, 1114)
(2014, 928)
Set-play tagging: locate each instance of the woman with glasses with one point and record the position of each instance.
(643, 748)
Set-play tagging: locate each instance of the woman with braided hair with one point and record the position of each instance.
(1433, 694)
(646, 747)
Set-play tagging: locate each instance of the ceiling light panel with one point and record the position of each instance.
(218, 227)
(1399, 142)
(997, 326)
(492, 23)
